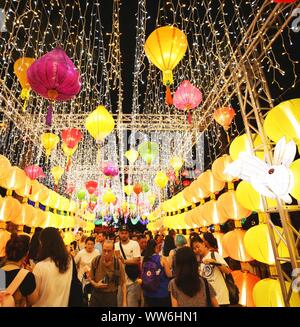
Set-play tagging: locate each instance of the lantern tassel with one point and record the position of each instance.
(68, 164)
(228, 137)
(55, 187)
(169, 99)
(189, 118)
(49, 115)
(25, 96)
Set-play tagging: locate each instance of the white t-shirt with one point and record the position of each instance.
(83, 260)
(53, 287)
(131, 250)
(214, 276)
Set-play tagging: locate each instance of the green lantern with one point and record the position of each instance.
(148, 151)
(81, 195)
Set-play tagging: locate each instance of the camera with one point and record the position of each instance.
(105, 280)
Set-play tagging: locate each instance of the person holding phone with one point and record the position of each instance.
(106, 276)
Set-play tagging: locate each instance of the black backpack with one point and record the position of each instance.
(234, 293)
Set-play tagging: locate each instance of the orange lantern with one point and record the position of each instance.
(231, 208)
(219, 166)
(212, 214)
(224, 116)
(4, 166)
(219, 236)
(245, 283)
(20, 68)
(208, 182)
(10, 209)
(233, 243)
(15, 179)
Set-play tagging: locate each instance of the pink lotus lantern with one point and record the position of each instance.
(109, 170)
(34, 172)
(54, 76)
(187, 97)
(70, 188)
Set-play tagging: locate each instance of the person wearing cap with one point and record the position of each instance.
(180, 241)
(130, 255)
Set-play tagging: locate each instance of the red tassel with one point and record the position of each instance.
(189, 117)
(169, 99)
(68, 164)
(30, 192)
(55, 188)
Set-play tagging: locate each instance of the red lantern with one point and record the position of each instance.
(34, 172)
(186, 182)
(91, 186)
(71, 137)
(137, 189)
(224, 116)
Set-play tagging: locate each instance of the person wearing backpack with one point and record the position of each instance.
(155, 273)
(106, 275)
(18, 285)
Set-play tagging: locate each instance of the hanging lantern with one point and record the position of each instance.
(54, 76)
(212, 214)
(187, 97)
(49, 142)
(4, 166)
(34, 172)
(208, 182)
(68, 153)
(145, 188)
(128, 189)
(258, 244)
(151, 198)
(219, 166)
(224, 116)
(14, 179)
(165, 47)
(176, 163)
(57, 173)
(10, 208)
(131, 156)
(91, 186)
(148, 151)
(233, 243)
(25, 189)
(99, 123)
(20, 69)
(71, 137)
(161, 179)
(108, 197)
(137, 188)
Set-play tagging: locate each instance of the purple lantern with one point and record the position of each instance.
(54, 76)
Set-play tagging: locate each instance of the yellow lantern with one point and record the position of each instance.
(108, 197)
(165, 47)
(128, 189)
(15, 179)
(250, 199)
(219, 236)
(230, 207)
(10, 209)
(132, 155)
(267, 293)
(57, 173)
(161, 179)
(284, 121)
(176, 163)
(69, 237)
(212, 214)
(49, 142)
(208, 182)
(4, 166)
(99, 123)
(151, 198)
(26, 216)
(242, 144)
(219, 166)
(258, 244)
(295, 169)
(24, 191)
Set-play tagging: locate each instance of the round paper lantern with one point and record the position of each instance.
(108, 197)
(131, 155)
(151, 198)
(219, 166)
(69, 237)
(221, 250)
(10, 209)
(245, 282)
(81, 195)
(165, 47)
(71, 137)
(15, 179)
(26, 216)
(137, 189)
(207, 181)
(187, 97)
(250, 199)
(224, 116)
(91, 186)
(20, 69)
(258, 244)
(230, 207)
(24, 191)
(267, 293)
(176, 163)
(4, 166)
(128, 189)
(57, 173)
(284, 121)
(161, 179)
(54, 76)
(233, 243)
(100, 123)
(148, 151)
(145, 187)
(49, 142)
(34, 172)
(241, 144)
(295, 168)
(212, 214)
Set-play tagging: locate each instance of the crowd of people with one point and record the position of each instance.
(127, 269)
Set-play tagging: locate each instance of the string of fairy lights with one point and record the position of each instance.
(215, 29)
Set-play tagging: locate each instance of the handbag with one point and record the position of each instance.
(234, 293)
(132, 271)
(76, 295)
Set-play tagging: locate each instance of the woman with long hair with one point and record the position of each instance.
(53, 272)
(188, 289)
(155, 273)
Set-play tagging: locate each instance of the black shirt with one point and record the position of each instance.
(27, 286)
